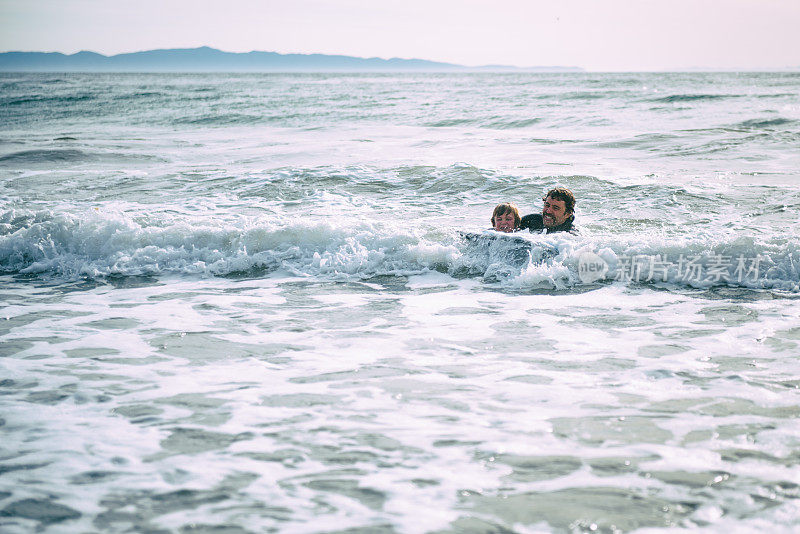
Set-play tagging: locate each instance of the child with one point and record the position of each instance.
(505, 218)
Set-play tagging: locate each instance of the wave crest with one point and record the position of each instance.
(97, 245)
(693, 97)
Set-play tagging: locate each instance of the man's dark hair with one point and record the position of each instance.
(565, 195)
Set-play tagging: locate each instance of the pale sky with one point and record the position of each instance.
(598, 35)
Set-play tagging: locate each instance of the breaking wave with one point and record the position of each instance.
(97, 245)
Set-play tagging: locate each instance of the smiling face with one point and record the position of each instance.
(554, 212)
(505, 218)
(505, 222)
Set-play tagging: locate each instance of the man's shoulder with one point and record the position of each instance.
(534, 222)
(531, 222)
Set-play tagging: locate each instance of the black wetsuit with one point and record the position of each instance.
(533, 223)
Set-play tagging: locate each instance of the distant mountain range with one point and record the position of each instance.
(207, 59)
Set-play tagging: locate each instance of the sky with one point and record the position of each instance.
(598, 35)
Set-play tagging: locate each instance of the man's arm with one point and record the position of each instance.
(531, 222)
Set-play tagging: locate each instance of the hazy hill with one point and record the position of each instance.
(207, 59)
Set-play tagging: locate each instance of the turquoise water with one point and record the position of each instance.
(242, 303)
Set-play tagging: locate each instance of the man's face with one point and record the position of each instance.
(554, 212)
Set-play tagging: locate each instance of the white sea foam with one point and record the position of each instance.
(316, 346)
(98, 245)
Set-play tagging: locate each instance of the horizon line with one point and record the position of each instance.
(286, 54)
(483, 67)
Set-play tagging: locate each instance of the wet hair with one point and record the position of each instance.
(507, 207)
(563, 194)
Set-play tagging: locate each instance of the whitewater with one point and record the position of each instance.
(246, 303)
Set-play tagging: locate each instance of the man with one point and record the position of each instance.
(558, 214)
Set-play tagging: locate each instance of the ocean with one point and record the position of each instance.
(238, 303)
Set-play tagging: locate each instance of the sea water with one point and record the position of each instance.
(243, 303)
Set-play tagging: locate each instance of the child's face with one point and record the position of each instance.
(504, 222)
